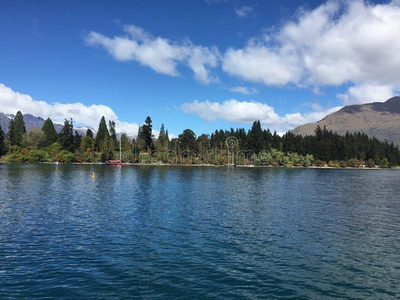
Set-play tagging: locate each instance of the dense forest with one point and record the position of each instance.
(256, 146)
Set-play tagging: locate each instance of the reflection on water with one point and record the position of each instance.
(170, 232)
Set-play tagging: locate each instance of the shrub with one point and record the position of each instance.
(384, 163)
(370, 163)
(320, 163)
(14, 158)
(35, 156)
(15, 149)
(53, 150)
(65, 157)
(307, 160)
(354, 163)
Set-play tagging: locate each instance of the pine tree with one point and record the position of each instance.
(167, 139)
(113, 133)
(162, 141)
(256, 140)
(2, 145)
(89, 133)
(102, 133)
(77, 140)
(19, 128)
(10, 133)
(161, 136)
(125, 144)
(147, 133)
(50, 132)
(276, 141)
(66, 137)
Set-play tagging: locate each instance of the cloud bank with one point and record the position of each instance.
(11, 102)
(353, 43)
(340, 42)
(247, 111)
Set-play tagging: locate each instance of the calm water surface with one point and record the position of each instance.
(198, 233)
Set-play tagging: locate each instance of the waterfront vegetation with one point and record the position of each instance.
(256, 146)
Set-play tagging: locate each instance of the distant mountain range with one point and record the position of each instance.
(37, 122)
(379, 119)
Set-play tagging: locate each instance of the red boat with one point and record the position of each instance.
(114, 162)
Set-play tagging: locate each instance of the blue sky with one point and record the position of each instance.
(196, 64)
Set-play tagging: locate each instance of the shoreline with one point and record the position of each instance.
(205, 165)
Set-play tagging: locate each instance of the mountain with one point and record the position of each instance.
(379, 119)
(36, 122)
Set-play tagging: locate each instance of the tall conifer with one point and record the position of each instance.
(50, 132)
(19, 128)
(102, 133)
(2, 145)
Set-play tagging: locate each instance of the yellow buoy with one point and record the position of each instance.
(93, 175)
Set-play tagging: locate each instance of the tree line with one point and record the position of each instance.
(256, 146)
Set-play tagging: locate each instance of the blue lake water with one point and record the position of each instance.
(198, 233)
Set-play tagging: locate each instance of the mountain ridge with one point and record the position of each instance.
(32, 121)
(378, 119)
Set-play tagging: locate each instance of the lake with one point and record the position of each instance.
(198, 232)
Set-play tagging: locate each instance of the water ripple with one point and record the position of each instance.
(184, 233)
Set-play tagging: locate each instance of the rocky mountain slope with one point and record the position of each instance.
(379, 119)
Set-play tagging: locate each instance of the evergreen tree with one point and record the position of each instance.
(187, 140)
(162, 137)
(113, 133)
(147, 133)
(167, 135)
(102, 133)
(125, 144)
(167, 138)
(66, 137)
(77, 140)
(2, 144)
(89, 133)
(162, 141)
(50, 132)
(256, 137)
(10, 133)
(19, 128)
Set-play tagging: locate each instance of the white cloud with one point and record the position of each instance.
(368, 93)
(243, 90)
(257, 63)
(160, 54)
(247, 112)
(352, 42)
(11, 102)
(337, 43)
(244, 11)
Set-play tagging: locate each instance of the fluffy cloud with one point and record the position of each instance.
(244, 11)
(336, 43)
(257, 63)
(243, 90)
(247, 111)
(367, 93)
(11, 102)
(160, 54)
